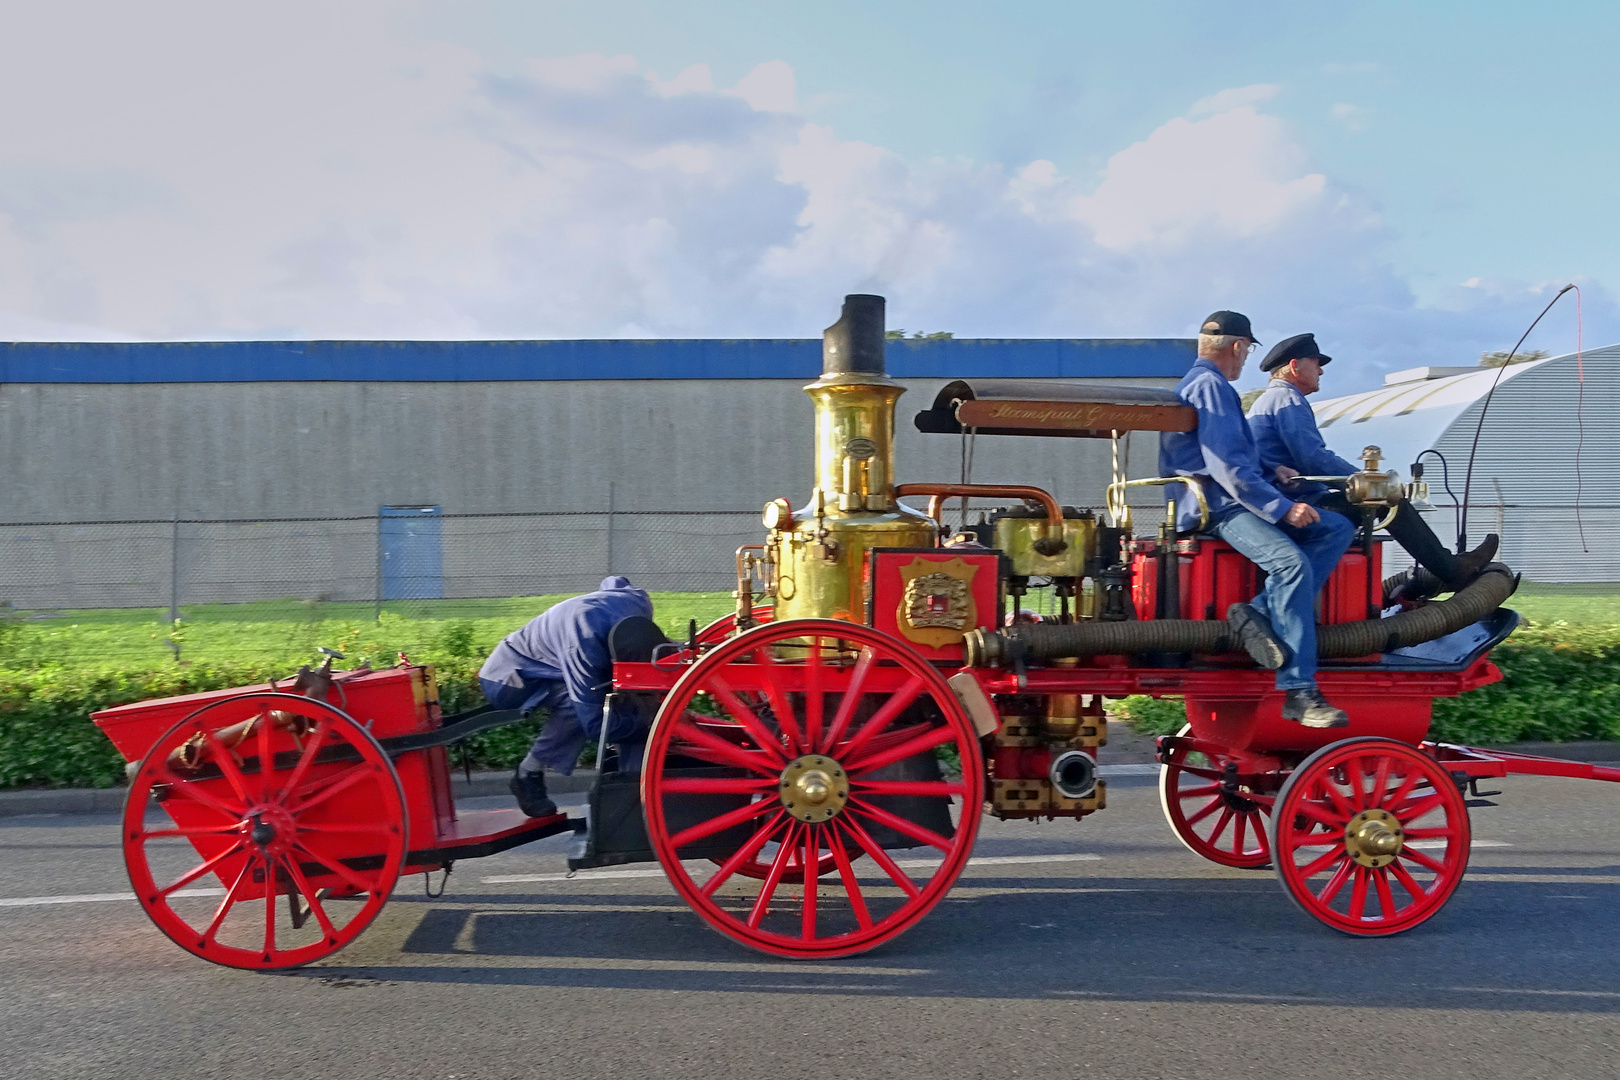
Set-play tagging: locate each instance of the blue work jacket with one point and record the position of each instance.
(1221, 450)
(568, 643)
(1285, 430)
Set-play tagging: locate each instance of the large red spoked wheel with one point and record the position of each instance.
(1224, 826)
(1371, 835)
(307, 849)
(823, 722)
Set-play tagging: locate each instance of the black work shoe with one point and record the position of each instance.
(1310, 708)
(1253, 631)
(1470, 565)
(531, 794)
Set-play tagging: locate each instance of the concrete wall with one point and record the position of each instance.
(212, 452)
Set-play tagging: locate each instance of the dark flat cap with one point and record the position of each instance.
(1298, 347)
(1228, 322)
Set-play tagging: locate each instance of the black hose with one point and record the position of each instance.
(1042, 641)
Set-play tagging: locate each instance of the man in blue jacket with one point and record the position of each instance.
(560, 661)
(1285, 431)
(1296, 546)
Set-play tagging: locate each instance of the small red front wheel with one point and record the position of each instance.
(288, 804)
(1224, 826)
(833, 742)
(1371, 836)
(726, 625)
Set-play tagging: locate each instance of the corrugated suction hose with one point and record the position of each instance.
(1042, 641)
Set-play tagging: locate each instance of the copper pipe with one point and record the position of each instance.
(1033, 495)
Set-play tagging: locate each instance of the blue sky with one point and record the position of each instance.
(1410, 181)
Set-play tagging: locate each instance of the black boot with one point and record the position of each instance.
(530, 790)
(1255, 634)
(1413, 533)
(1309, 708)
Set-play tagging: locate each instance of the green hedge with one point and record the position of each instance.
(1561, 682)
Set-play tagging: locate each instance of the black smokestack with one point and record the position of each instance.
(854, 344)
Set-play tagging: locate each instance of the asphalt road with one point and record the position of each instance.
(1142, 962)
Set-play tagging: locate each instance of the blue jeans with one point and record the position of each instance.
(563, 735)
(1297, 562)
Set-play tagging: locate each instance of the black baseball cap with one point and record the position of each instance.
(1228, 322)
(1298, 347)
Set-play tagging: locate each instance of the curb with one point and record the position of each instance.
(39, 803)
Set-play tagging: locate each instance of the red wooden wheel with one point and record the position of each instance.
(722, 628)
(839, 762)
(1227, 827)
(1372, 836)
(307, 850)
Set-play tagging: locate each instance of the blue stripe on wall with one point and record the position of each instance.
(501, 361)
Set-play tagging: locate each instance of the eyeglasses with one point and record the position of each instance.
(1253, 345)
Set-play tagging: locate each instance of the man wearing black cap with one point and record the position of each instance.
(1290, 445)
(1296, 546)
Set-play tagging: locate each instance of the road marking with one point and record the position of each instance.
(909, 864)
(1127, 770)
(94, 898)
(1435, 845)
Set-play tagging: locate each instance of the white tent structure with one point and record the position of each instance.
(1547, 473)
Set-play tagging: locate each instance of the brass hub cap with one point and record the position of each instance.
(813, 788)
(1374, 837)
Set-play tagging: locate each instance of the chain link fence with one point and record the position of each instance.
(403, 554)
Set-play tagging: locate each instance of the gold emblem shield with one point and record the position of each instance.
(936, 602)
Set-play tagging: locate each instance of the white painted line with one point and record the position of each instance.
(94, 898)
(1127, 770)
(910, 864)
(1435, 845)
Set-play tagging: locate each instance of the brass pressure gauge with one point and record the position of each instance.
(778, 515)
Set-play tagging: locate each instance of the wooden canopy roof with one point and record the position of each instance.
(1076, 410)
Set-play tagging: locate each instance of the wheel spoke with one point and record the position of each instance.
(815, 704)
(1423, 860)
(1220, 826)
(1214, 804)
(746, 719)
(1358, 893)
(713, 748)
(812, 863)
(1315, 840)
(313, 796)
(1327, 787)
(716, 785)
(854, 690)
(226, 760)
(316, 739)
(943, 788)
(743, 854)
(267, 761)
(1321, 863)
(917, 744)
(774, 877)
(1437, 833)
(216, 830)
(881, 857)
(270, 895)
(1321, 814)
(368, 828)
(1239, 833)
(1386, 899)
(1417, 810)
(1404, 790)
(1260, 832)
(898, 702)
(201, 868)
(852, 888)
(899, 824)
(312, 895)
(1336, 882)
(1195, 792)
(188, 789)
(1408, 882)
(1375, 797)
(334, 867)
(227, 902)
(725, 821)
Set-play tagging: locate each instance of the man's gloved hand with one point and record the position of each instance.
(1301, 514)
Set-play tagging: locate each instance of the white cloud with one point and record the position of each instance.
(1234, 98)
(1353, 117)
(351, 183)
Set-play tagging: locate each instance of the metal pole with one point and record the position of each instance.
(174, 568)
(376, 615)
(611, 497)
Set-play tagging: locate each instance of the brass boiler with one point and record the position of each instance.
(819, 551)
